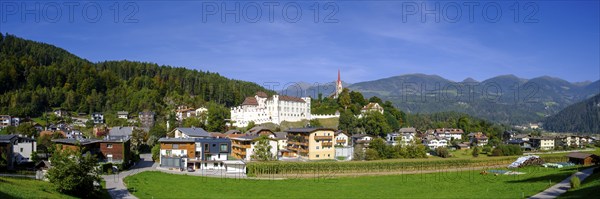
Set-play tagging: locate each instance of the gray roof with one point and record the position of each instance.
(7, 138)
(281, 135)
(233, 131)
(121, 131)
(194, 132)
(407, 130)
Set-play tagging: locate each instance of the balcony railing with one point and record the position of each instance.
(340, 141)
(241, 146)
(323, 137)
(298, 143)
(326, 144)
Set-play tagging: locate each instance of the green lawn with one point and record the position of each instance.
(27, 188)
(589, 188)
(30, 188)
(464, 184)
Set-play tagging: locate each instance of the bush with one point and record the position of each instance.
(575, 182)
(107, 168)
(442, 152)
(156, 152)
(487, 149)
(475, 152)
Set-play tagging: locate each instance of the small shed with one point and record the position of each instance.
(582, 158)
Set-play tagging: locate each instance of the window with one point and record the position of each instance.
(221, 164)
(21, 150)
(219, 155)
(175, 146)
(168, 152)
(317, 147)
(107, 146)
(206, 148)
(214, 145)
(317, 156)
(328, 155)
(109, 158)
(215, 164)
(223, 147)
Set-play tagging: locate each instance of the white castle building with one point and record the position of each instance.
(275, 109)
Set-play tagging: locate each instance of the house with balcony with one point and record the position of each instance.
(115, 150)
(122, 114)
(478, 139)
(447, 133)
(311, 143)
(5, 120)
(146, 118)
(7, 143)
(197, 153)
(341, 138)
(363, 139)
(243, 147)
(433, 142)
(542, 143)
(98, 118)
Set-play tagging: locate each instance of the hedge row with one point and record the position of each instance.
(279, 168)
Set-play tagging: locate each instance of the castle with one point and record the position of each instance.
(275, 109)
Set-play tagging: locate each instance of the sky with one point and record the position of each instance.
(309, 41)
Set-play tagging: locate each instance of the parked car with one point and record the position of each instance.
(190, 169)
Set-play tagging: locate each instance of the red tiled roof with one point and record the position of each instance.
(261, 94)
(250, 101)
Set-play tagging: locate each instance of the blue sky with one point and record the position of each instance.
(367, 40)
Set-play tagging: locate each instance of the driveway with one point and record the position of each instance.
(114, 183)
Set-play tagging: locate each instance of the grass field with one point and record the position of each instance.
(464, 184)
(27, 188)
(589, 188)
(30, 188)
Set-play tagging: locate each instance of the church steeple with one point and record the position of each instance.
(338, 86)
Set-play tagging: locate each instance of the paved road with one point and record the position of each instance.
(114, 183)
(562, 186)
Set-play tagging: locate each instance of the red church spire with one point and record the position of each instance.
(339, 80)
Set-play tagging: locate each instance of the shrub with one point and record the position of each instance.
(442, 152)
(575, 182)
(475, 152)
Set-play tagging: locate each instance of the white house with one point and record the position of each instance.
(98, 118)
(122, 114)
(23, 149)
(433, 143)
(447, 133)
(244, 146)
(341, 138)
(361, 139)
(275, 109)
(372, 106)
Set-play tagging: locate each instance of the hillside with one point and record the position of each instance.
(581, 117)
(507, 99)
(35, 77)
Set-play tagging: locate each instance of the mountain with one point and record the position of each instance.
(507, 98)
(582, 117)
(304, 89)
(35, 77)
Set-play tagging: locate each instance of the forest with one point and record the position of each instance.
(37, 77)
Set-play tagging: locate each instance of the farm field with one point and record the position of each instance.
(463, 184)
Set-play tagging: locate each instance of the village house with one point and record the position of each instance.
(242, 147)
(542, 143)
(371, 106)
(363, 139)
(184, 112)
(311, 143)
(478, 138)
(261, 108)
(121, 132)
(198, 153)
(61, 113)
(98, 118)
(404, 136)
(24, 149)
(524, 144)
(281, 141)
(447, 133)
(146, 118)
(433, 142)
(341, 138)
(114, 150)
(122, 114)
(5, 121)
